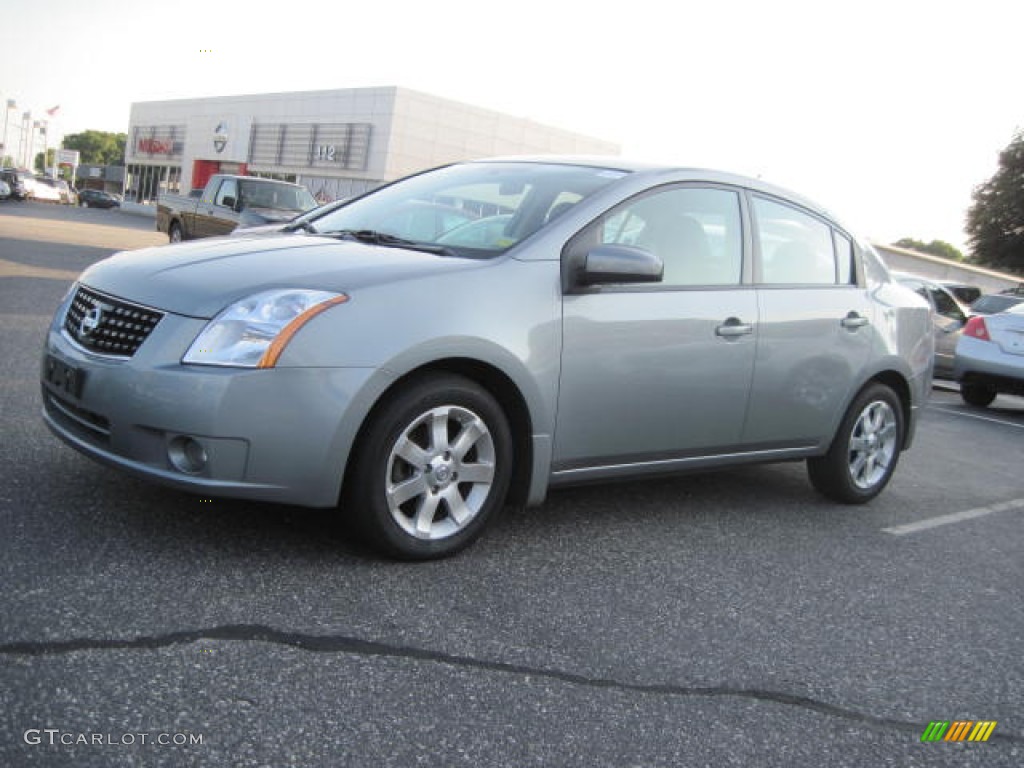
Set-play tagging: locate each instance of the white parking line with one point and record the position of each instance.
(956, 517)
(975, 416)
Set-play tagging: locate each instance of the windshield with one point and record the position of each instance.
(474, 209)
(259, 194)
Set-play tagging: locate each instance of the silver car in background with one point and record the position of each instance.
(990, 357)
(949, 317)
(604, 320)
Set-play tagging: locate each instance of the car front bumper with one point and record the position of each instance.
(279, 434)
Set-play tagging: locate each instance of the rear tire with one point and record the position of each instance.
(977, 395)
(865, 450)
(174, 233)
(431, 469)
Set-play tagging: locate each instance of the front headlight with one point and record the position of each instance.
(253, 332)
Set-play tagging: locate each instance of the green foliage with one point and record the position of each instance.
(936, 248)
(51, 155)
(7, 161)
(98, 147)
(995, 220)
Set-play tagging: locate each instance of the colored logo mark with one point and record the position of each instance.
(958, 730)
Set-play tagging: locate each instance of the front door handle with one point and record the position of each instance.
(733, 328)
(853, 321)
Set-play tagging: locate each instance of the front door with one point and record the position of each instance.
(656, 375)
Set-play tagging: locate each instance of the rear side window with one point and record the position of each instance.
(844, 259)
(796, 248)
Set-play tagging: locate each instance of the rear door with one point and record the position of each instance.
(815, 333)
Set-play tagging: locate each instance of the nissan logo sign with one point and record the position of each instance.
(90, 322)
(220, 136)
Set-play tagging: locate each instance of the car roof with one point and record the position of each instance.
(653, 169)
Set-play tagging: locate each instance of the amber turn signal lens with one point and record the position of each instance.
(269, 359)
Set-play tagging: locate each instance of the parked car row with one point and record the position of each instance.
(13, 181)
(981, 346)
(24, 185)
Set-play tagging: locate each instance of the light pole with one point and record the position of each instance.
(11, 104)
(26, 132)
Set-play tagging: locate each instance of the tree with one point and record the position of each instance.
(936, 248)
(98, 147)
(995, 220)
(40, 167)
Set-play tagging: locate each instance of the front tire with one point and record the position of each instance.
(977, 395)
(431, 469)
(865, 450)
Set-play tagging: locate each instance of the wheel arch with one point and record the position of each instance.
(898, 384)
(500, 386)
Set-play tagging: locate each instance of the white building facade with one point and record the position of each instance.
(338, 143)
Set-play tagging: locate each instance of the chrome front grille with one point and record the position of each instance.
(108, 326)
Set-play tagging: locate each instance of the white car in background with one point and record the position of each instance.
(38, 189)
(990, 357)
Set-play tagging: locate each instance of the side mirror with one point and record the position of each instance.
(229, 202)
(605, 264)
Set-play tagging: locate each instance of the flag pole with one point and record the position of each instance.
(11, 104)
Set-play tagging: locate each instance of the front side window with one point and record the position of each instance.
(228, 188)
(945, 305)
(473, 209)
(695, 231)
(796, 248)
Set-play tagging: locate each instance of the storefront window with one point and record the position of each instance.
(144, 183)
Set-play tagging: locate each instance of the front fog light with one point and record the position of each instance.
(187, 455)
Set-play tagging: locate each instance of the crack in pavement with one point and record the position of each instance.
(356, 646)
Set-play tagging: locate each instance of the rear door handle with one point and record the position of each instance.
(853, 321)
(733, 328)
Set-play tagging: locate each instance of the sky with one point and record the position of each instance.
(887, 113)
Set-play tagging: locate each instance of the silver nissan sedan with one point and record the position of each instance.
(484, 331)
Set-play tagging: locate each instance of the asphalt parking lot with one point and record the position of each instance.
(732, 618)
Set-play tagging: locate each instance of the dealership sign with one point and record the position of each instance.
(220, 136)
(155, 146)
(68, 157)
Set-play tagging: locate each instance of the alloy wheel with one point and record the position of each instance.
(872, 444)
(440, 472)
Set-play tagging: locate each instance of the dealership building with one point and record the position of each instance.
(338, 143)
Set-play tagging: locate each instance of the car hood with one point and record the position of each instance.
(201, 278)
(272, 215)
(259, 229)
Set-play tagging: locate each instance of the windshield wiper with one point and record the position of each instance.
(305, 226)
(373, 237)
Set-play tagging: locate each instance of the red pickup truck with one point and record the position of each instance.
(229, 202)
